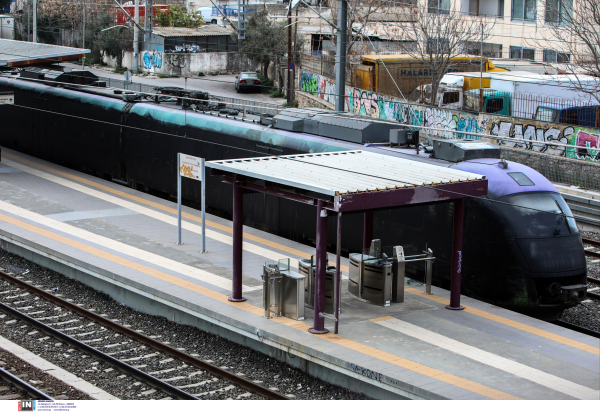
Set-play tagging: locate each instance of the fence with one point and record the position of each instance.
(585, 175)
(232, 103)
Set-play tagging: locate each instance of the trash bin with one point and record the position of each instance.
(283, 291)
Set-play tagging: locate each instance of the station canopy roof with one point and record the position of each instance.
(22, 53)
(353, 180)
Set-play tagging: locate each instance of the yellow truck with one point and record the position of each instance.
(407, 72)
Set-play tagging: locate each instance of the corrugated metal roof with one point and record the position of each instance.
(16, 53)
(347, 172)
(206, 30)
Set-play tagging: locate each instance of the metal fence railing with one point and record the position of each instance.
(252, 106)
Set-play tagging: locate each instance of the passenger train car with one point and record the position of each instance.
(522, 250)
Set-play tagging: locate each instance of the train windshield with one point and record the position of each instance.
(537, 215)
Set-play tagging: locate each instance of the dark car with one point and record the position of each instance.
(247, 81)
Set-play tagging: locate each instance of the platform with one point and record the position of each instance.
(110, 236)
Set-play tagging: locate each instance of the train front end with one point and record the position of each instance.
(542, 257)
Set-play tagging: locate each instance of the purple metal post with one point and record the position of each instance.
(321, 253)
(368, 230)
(238, 235)
(338, 277)
(457, 240)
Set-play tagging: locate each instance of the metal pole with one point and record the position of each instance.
(178, 199)
(238, 234)
(337, 283)
(83, 42)
(203, 204)
(455, 279)
(289, 59)
(28, 22)
(481, 73)
(367, 230)
(340, 57)
(35, 21)
(136, 35)
(321, 266)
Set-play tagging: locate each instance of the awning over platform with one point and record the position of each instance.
(21, 53)
(353, 180)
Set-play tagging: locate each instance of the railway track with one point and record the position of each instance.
(119, 350)
(18, 388)
(593, 251)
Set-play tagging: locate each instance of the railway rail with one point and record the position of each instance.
(22, 387)
(594, 291)
(124, 348)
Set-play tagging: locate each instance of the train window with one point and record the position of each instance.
(521, 179)
(536, 214)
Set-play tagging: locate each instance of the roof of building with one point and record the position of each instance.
(205, 30)
(341, 173)
(22, 53)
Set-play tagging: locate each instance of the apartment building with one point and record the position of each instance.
(521, 27)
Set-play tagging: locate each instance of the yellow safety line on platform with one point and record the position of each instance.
(168, 209)
(517, 325)
(345, 342)
(477, 312)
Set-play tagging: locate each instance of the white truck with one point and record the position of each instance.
(515, 94)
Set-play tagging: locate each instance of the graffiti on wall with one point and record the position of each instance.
(153, 59)
(368, 103)
(372, 104)
(533, 133)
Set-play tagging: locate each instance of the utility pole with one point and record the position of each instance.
(136, 36)
(340, 57)
(481, 71)
(83, 42)
(289, 59)
(28, 21)
(35, 21)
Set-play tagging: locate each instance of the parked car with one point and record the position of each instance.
(247, 81)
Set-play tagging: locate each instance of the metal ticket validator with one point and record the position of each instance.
(283, 291)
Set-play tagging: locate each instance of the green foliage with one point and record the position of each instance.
(112, 42)
(276, 93)
(178, 17)
(294, 104)
(266, 40)
(201, 74)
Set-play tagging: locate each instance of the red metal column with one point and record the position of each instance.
(457, 240)
(238, 235)
(368, 230)
(321, 254)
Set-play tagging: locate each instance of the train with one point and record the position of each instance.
(521, 247)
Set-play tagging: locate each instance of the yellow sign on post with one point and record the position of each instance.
(191, 167)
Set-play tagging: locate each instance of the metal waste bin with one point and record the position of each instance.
(307, 268)
(283, 291)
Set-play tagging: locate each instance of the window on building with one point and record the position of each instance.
(552, 56)
(518, 52)
(491, 8)
(438, 6)
(559, 11)
(437, 46)
(524, 10)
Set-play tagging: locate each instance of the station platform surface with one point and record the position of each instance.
(416, 349)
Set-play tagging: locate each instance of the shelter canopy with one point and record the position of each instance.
(352, 180)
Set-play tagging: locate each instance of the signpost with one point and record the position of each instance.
(193, 168)
(7, 98)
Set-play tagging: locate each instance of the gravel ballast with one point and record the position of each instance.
(221, 352)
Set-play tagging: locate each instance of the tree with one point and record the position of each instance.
(111, 42)
(178, 17)
(440, 35)
(266, 40)
(576, 26)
